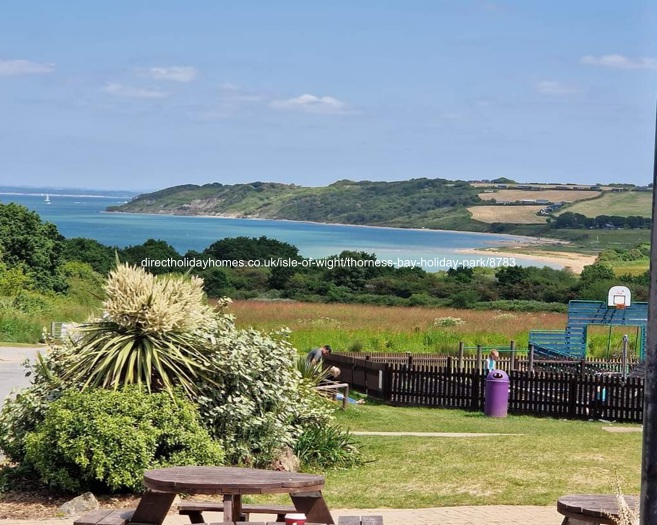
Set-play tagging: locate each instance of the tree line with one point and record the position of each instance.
(570, 220)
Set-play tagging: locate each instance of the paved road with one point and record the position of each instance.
(12, 372)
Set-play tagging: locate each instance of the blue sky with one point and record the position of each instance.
(145, 95)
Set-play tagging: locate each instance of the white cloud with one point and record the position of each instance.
(551, 87)
(174, 73)
(119, 90)
(311, 104)
(620, 62)
(18, 68)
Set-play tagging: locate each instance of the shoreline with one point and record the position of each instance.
(512, 238)
(574, 261)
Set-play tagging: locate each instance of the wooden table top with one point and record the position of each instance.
(593, 505)
(229, 480)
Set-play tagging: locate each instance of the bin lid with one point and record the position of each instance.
(497, 376)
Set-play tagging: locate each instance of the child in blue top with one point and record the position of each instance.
(491, 362)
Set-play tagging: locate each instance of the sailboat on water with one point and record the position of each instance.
(47, 199)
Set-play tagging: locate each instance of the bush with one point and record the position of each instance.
(102, 439)
(523, 306)
(327, 446)
(448, 321)
(18, 327)
(21, 414)
(260, 402)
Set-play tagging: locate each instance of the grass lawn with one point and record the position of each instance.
(551, 458)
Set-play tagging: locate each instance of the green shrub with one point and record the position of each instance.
(18, 327)
(22, 413)
(103, 439)
(260, 402)
(32, 303)
(327, 446)
(522, 306)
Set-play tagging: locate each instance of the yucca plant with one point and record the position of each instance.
(155, 332)
(312, 372)
(327, 446)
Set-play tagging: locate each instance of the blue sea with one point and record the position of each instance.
(79, 213)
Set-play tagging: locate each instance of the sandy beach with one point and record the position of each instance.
(573, 261)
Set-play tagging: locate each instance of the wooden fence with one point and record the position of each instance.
(579, 395)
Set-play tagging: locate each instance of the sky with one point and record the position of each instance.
(145, 95)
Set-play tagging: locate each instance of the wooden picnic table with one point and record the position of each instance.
(591, 508)
(164, 484)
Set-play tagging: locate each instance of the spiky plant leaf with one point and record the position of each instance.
(154, 333)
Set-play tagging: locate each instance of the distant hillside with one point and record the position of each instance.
(429, 203)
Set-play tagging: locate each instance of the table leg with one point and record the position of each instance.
(153, 507)
(232, 507)
(312, 504)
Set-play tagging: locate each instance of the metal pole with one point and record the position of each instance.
(648, 503)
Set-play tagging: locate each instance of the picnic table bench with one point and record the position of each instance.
(195, 509)
(591, 508)
(163, 485)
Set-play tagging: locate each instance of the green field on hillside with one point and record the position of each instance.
(594, 241)
(623, 204)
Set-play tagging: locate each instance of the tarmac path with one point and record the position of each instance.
(12, 371)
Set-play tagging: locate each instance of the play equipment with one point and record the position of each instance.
(571, 342)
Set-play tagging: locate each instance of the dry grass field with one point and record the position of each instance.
(622, 204)
(509, 214)
(551, 195)
(271, 315)
(391, 329)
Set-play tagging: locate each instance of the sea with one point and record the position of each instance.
(82, 213)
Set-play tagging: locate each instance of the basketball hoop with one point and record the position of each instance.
(619, 302)
(619, 297)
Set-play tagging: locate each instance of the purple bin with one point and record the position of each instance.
(496, 401)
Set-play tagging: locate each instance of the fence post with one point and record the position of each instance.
(476, 388)
(582, 366)
(531, 358)
(449, 365)
(387, 383)
(572, 397)
(461, 346)
(479, 360)
(513, 356)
